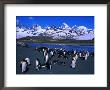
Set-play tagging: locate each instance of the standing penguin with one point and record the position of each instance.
(45, 52)
(23, 65)
(49, 64)
(28, 61)
(86, 56)
(87, 53)
(46, 57)
(73, 63)
(37, 64)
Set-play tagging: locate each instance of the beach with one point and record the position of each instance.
(82, 66)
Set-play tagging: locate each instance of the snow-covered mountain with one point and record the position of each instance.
(63, 32)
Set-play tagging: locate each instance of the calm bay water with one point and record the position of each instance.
(89, 48)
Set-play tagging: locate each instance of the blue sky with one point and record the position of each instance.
(44, 21)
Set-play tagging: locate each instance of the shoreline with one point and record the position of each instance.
(56, 43)
(64, 44)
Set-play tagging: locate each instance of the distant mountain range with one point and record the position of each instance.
(55, 33)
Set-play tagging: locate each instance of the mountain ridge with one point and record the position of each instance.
(63, 32)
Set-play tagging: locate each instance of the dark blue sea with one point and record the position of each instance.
(89, 48)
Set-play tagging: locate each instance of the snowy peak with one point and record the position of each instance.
(66, 26)
(63, 32)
